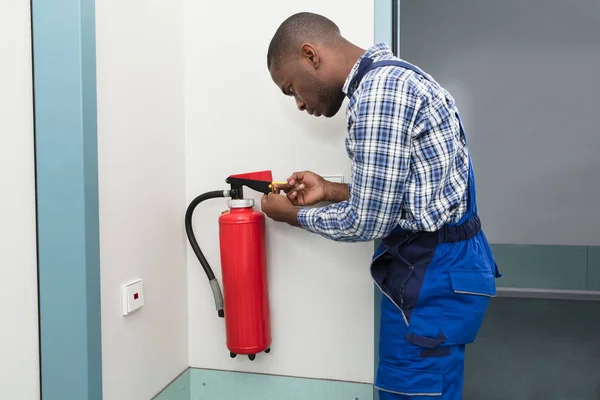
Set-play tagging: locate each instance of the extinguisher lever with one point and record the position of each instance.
(237, 191)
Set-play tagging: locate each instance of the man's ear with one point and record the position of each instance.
(309, 53)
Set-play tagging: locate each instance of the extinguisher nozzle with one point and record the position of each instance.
(221, 313)
(216, 289)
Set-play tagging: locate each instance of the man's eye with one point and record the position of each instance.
(291, 90)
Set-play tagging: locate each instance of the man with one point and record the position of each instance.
(412, 187)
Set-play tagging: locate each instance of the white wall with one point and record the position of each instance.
(237, 120)
(142, 193)
(19, 362)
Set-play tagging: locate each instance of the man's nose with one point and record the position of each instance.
(301, 105)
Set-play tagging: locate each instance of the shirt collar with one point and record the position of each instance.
(374, 52)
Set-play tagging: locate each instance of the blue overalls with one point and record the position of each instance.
(436, 288)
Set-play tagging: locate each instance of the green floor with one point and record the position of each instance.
(536, 350)
(527, 350)
(199, 384)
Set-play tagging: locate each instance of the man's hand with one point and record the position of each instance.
(307, 188)
(304, 188)
(279, 209)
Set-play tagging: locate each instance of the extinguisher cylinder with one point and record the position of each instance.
(244, 277)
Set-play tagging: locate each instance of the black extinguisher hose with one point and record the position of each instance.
(214, 284)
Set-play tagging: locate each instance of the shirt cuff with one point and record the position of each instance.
(306, 217)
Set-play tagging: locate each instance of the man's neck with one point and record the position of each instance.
(349, 55)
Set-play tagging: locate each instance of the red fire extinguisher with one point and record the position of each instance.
(245, 305)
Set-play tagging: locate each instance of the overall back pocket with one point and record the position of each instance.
(467, 303)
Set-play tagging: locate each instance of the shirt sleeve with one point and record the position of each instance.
(388, 109)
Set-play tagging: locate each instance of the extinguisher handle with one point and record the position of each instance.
(216, 289)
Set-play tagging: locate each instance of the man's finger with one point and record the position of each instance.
(293, 197)
(294, 178)
(289, 188)
(283, 186)
(291, 178)
(301, 197)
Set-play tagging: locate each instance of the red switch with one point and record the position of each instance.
(135, 296)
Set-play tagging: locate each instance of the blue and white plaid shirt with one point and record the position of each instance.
(410, 165)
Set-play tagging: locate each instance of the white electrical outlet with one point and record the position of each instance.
(132, 296)
(334, 178)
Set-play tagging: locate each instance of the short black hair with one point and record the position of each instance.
(296, 29)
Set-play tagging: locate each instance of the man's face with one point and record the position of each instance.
(310, 89)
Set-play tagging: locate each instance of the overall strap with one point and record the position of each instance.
(472, 202)
(367, 64)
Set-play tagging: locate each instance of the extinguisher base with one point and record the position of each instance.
(252, 357)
